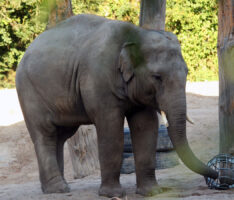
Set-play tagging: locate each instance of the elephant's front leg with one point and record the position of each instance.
(110, 146)
(144, 129)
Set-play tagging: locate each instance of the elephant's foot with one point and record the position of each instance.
(112, 191)
(55, 185)
(149, 189)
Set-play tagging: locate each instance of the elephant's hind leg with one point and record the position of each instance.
(51, 171)
(64, 134)
(44, 135)
(47, 144)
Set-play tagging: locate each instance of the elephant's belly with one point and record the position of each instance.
(70, 114)
(69, 119)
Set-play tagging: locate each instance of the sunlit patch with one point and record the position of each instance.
(117, 198)
(203, 88)
(9, 108)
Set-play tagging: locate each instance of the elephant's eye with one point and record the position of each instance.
(157, 77)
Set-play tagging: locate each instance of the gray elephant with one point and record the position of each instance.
(91, 70)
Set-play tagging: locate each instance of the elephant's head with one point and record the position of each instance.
(155, 74)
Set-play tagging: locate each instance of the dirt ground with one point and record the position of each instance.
(19, 172)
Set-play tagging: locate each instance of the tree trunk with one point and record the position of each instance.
(226, 75)
(84, 151)
(152, 14)
(61, 10)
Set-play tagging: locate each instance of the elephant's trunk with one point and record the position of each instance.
(176, 115)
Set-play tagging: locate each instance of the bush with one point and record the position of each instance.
(194, 22)
(126, 10)
(18, 28)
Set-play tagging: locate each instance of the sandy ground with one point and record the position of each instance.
(19, 172)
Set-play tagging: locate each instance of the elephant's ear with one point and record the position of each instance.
(126, 61)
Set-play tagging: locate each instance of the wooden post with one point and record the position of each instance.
(152, 14)
(62, 9)
(226, 75)
(83, 150)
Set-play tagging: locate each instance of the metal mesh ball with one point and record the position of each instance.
(224, 165)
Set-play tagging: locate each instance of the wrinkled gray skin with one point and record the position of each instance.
(90, 70)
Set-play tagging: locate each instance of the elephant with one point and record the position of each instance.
(93, 70)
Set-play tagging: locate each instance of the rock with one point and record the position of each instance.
(166, 159)
(163, 144)
(163, 160)
(127, 140)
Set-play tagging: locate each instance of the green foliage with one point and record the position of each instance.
(126, 10)
(194, 22)
(17, 29)
(45, 8)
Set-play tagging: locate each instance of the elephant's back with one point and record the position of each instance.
(61, 44)
(77, 30)
(79, 42)
(68, 33)
(82, 21)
